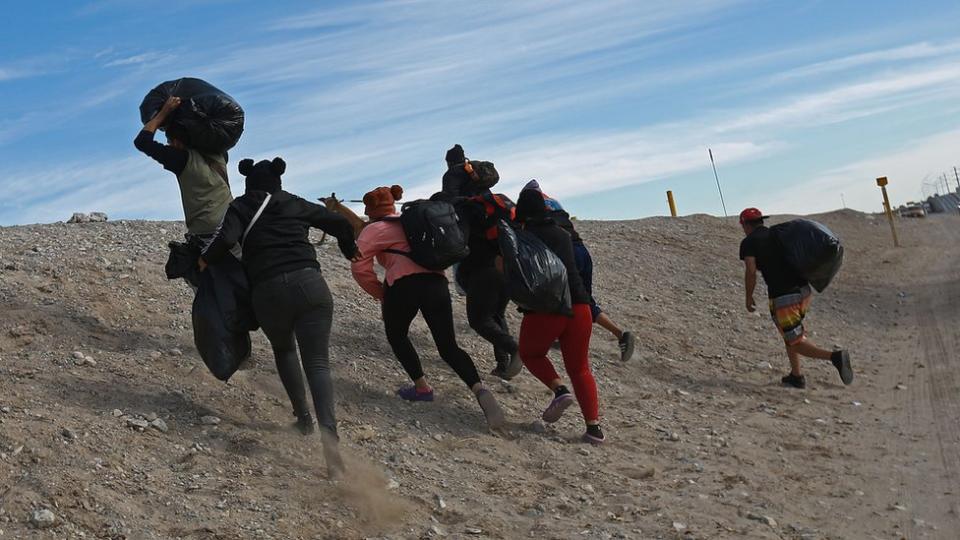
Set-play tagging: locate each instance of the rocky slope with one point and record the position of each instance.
(110, 426)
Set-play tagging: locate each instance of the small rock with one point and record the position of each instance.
(473, 530)
(5, 410)
(77, 355)
(155, 354)
(176, 352)
(538, 427)
(90, 361)
(43, 519)
(159, 425)
(209, 420)
(138, 423)
(677, 526)
(901, 387)
(151, 417)
(441, 505)
(898, 507)
(117, 412)
(763, 519)
(438, 437)
(68, 434)
(584, 452)
(674, 436)
(392, 485)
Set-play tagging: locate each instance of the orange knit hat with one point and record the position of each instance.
(380, 202)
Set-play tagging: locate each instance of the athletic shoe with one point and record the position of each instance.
(491, 409)
(304, 424)
(627, 343)
(331, 455)
(594, 435)
(511, 370)
(841, 361)
(555, 410)
(796, 381)
(410, 393)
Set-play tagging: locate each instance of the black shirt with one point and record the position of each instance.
(780, 277)
(457, 183)
(278, 241)
(558, 240)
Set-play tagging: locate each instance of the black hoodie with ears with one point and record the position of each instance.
(263, 176)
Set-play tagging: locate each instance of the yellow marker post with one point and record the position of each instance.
(673, 205)
(882, 182)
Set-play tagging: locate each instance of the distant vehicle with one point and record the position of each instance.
(912, 210)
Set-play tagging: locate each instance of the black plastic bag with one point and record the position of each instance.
(182, 262)
(223, 318)
(811, 249)
(536, 277)
(212, 120)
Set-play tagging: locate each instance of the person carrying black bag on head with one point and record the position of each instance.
(290, 297)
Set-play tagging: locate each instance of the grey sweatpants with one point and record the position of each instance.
(295, 310)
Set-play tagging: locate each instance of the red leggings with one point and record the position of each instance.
(538, 332)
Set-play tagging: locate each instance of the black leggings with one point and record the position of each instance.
(296, 309)
(428, 294)
(487, 302)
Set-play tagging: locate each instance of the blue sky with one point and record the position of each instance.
(607, 103)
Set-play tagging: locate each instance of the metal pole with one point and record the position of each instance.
(715, 175)
(843, 201)
(673, 205)
(882, 182)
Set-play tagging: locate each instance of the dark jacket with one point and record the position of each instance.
(457, 183)
(279, 240)
(558, 240)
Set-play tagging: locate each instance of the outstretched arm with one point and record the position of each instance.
(334, 205)
(331, 223)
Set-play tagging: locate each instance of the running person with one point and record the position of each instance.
(407, 289)
(625, 339)
(291, 299)
(539, 331)
(790, 297)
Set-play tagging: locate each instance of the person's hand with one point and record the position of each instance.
(751, 305)
(201, 264)
(170, 105)
(356, 256)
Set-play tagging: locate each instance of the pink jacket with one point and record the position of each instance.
(373, 240)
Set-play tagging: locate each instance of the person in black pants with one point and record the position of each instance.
(408, 289)
(290, 297)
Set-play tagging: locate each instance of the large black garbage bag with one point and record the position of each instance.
(536, 277)
(182, 262)
(811, 249)
(211, 118)
(223, 317)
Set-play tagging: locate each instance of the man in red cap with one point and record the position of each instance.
(790, 297)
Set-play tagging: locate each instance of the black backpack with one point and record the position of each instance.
(433, 231)
(811, 249)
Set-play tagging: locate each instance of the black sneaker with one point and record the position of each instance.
(841, 361)
(511, 370)
(627, 343)
(796, 381)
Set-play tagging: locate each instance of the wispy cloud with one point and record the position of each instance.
(915, 51)
(152, 57)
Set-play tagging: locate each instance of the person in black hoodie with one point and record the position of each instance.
(290, 297)
(539, 331)
(477, 274)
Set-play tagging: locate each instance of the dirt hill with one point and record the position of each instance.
(95, 345)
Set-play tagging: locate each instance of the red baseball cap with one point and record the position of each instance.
(751, 214)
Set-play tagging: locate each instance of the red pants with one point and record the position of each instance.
(538, 332)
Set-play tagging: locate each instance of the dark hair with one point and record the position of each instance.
(176, 132)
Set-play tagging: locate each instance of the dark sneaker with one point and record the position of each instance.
(594, 435)
(491, 409)
(796, 381)
(411, 393)
(509, 371)
(555, 410)
(841, 361)
(304, 424)
(627, 343)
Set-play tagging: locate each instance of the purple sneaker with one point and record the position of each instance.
(555, 410)
(410, 393)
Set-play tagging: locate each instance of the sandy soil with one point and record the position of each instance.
(704, 443)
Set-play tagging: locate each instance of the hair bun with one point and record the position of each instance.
(397, 192)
